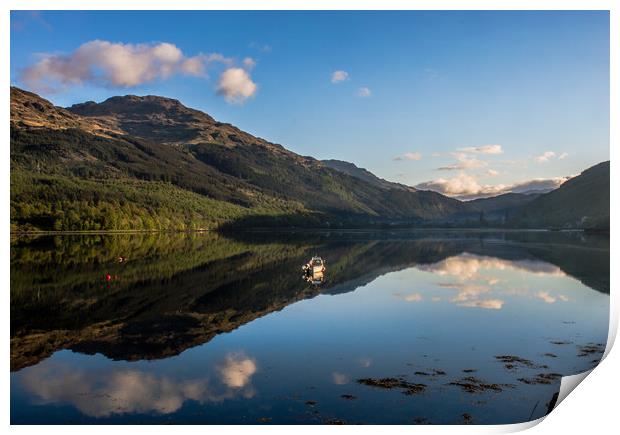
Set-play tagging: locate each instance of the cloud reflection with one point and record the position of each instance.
(468, 295)
(545, 296)
(474, 279)
(550, 299)
(237, 370)
(102, 394)
(340, 378)
(490, 304)
(365, 362)
(413, 297)
(469, 266)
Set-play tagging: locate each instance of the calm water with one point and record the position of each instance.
(201, 328)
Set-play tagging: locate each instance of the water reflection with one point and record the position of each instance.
(314, 271)
(478, 283)
(176, 291)
(340, 378)
(395, 304)
(470, 266)
(103, 393)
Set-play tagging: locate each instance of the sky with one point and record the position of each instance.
(467, 103)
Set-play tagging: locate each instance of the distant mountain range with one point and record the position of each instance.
(149, 163)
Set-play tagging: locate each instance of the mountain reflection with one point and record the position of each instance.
(176, 291)
(102, 394)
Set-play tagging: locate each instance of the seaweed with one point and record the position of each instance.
(471, 384)
(590, 348)
(541, 379)
(408, 388)
(512, 361)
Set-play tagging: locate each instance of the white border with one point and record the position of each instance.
(313, 5)
(592, 409)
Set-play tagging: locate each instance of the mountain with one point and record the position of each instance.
(581, 202)
(363, 174)
(151, 163)
(498, 209)
(30, 111)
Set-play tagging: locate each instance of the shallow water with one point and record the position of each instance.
(201, 328)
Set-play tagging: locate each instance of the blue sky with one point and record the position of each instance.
(466, 103)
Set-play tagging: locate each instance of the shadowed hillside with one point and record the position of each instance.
(581, 202)
(66, 165)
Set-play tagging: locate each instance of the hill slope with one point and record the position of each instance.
(581, 202)
(157, 147)
(500, 203)
(364, 174)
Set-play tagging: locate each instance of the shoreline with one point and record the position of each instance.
(307, 230)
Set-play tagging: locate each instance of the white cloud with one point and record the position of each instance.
(194, 66)
(339, 76)
(464, 161)
(563, 156)
(413, 156)
(236, 85)
(249, 63)
(462, 184)
(492, 173)
(484, 149)
(116, 65)
(544, 157)
(409, 156)
(538, 184)
(263, 48)
(465, 186)
(364, 92)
